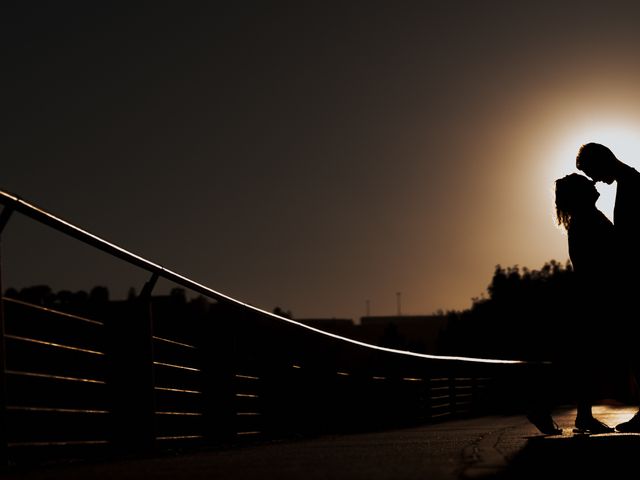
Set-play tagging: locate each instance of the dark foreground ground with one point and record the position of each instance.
(505, 447)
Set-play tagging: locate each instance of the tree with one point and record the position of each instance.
(283, 313)
(524, 315)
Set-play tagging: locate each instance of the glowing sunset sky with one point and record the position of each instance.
(315, 156)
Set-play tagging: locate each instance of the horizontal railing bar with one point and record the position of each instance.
(177, 390)
(55, 410)
(436, 415)
(73, 231)
(52, 311)
(173, 342)
(51, 344)
(181, 437)
(53, 377)
(440, 397)
(180, 414)
(58, 444)
(180, 367)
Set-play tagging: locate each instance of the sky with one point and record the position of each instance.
(308, 155)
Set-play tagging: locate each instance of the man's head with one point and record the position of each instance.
(598, 162)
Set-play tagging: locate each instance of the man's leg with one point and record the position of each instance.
(633, 424)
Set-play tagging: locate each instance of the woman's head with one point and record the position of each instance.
(574, 193)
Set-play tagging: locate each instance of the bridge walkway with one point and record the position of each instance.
(501, 447)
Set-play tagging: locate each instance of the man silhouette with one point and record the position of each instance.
(599, 163)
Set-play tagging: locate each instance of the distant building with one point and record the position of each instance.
(338, 326)
(417, 333)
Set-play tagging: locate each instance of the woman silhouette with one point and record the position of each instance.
(592, 252)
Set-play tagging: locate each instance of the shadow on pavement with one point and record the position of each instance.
(610, 455)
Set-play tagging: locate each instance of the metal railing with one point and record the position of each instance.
(139, 374)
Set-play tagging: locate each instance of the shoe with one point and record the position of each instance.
(592, 426)
(630, 426)
(544, 423)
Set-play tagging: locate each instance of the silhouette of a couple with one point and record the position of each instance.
(605, 296)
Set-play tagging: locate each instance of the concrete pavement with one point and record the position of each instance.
(489, 447)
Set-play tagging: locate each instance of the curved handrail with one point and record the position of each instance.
(30, 210)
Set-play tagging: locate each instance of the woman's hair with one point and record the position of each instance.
(573, 192)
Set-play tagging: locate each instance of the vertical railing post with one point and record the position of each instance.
(130, 348)
(452, 394)
(217, 349)
(276, 372)
(3, 382)
(475, 407)
(4, 454)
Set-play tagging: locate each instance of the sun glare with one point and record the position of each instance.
(622, 138)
